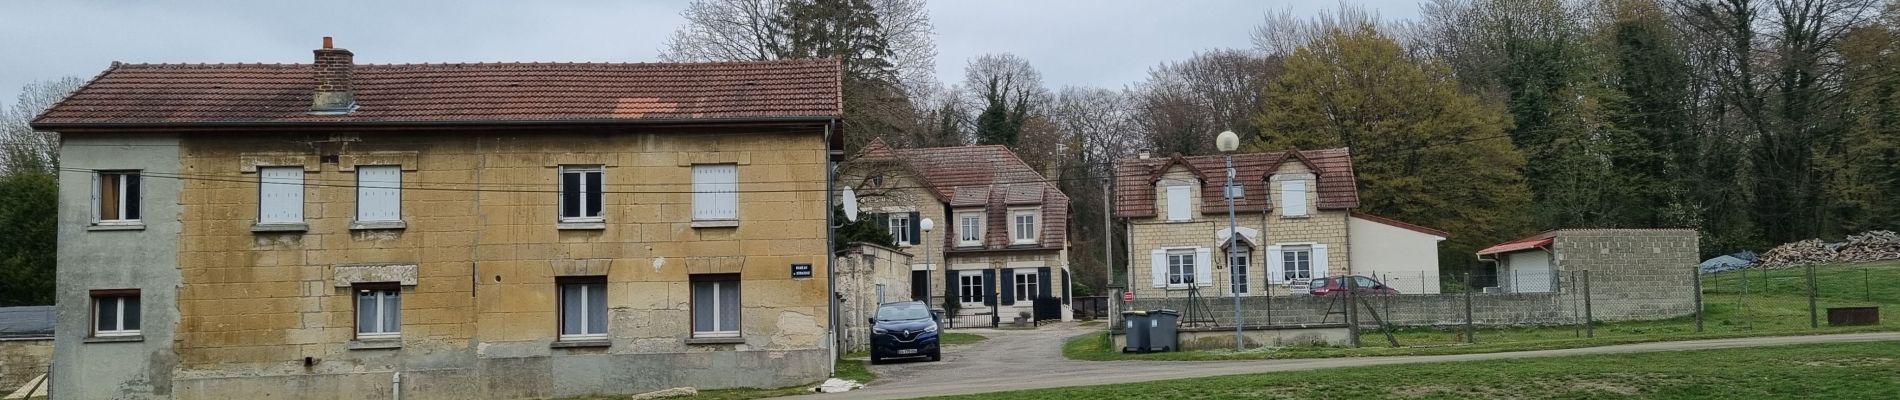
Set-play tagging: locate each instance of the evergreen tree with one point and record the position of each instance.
(29, 209)
(1424, 151)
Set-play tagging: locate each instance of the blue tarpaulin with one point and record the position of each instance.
(27, 321)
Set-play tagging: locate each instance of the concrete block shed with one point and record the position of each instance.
(1632, 273)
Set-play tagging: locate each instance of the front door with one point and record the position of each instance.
(920, 285)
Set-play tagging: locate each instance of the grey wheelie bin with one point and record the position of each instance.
(1135, 331)
(1163, 333)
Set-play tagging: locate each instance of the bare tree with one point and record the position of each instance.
(1184, 104)
(20, 146)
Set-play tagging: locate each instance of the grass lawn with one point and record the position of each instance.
(1737, 304)
(1834, 371)
(958, 338)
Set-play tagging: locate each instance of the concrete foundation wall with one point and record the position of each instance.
(1404, 310)
(98, 258)
(863, 272)
(1275, 336)
(21, 359)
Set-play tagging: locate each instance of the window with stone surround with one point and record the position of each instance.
(970, 290)
(116, 198)
(715, 305)
(1181, 267)
(1298, 261)
(115, 312)
(280, 195)
(715, 192)
(1023, 227)
(378, 193)
(1026, 282)
(378, 310)
(969, 228)
(581, 188)
(899, 224)
(583, 307)
(1293, 198)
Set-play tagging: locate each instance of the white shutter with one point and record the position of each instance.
(1293, 198)
(95, 198)
(1159, 268)
(378, 193)
(1178, 207)
(715, 191)
(1203, 267)
(280, 195)
(1276, 265)
(1319, 260)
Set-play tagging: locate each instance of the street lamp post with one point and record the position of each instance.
(930, 270)
(1228, 142)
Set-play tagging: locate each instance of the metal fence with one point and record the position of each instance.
(1512, 306)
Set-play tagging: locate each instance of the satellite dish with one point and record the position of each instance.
(850, 204)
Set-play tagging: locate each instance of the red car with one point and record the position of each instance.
(1337, 284)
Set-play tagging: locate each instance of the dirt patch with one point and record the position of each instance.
(1463, 392)
(1850, 362)
(1626, 384)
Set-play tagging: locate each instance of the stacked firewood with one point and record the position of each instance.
(1811, 251)
(1867, 246)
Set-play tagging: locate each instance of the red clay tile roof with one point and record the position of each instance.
(1401, 224)
(958, 174)
(1135, 178)
(237, 94)
(1527, 243)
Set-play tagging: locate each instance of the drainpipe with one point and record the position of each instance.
(395, 384)
(831, 271)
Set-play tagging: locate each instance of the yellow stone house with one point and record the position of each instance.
(1293, 215)
(999, 247)
(443, 231)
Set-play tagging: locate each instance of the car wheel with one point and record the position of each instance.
(875, 360)
(936, 355)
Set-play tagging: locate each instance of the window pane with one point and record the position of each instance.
(594, 189)
(106, 313)
(729, 306)
(703, 306)
(131, 196)
(392, 311)
(570, 194)
(571, 309)
(596, 308)
(108, 196)
(131, 306)
(365, 311)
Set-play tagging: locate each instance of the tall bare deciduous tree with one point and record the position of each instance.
(21, 148)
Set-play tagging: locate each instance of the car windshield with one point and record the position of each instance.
(1318, 283)
(899, 312)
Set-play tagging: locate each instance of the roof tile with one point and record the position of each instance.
(1135, 178)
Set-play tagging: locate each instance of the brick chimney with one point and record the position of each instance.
(333, 89)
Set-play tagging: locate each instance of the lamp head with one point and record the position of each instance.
(926, 224)
(1227, 142)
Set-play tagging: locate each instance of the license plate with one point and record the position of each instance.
(907, 351)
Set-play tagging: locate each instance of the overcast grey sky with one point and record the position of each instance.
(1094, 43)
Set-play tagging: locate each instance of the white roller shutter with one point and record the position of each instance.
(1178, 207)
(1293, 198)
(280, 195)
(378, 193)
(1276, 265)
(1159, 267)
(1319, 261)
(715, 191)
(1203, 267)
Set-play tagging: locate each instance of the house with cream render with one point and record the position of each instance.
(1295, 223)
(1000, 242)
(443, 231)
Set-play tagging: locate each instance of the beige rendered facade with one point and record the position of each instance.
(1156, 242)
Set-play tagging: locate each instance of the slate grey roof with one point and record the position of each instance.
(26, 321)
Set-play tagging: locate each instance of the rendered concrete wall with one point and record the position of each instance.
(481, 319)
(1276, 336)
(1404, 259)
(93, 259)
(1404, 310)
(21, 359)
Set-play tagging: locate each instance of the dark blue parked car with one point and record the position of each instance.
(903, 330)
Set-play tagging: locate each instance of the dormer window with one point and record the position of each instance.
(1293, 198)
(969, 228)
(1022, 225)
(1178, 207)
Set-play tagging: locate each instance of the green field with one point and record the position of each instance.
(1736, 304)
(1835, 371)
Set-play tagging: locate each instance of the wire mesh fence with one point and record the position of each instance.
(1428, 309)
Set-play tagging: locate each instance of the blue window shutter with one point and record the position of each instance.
(989, 286)
(1009, 286)
(1042, 275)
(915, 224)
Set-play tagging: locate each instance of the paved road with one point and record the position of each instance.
(1016, 360)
